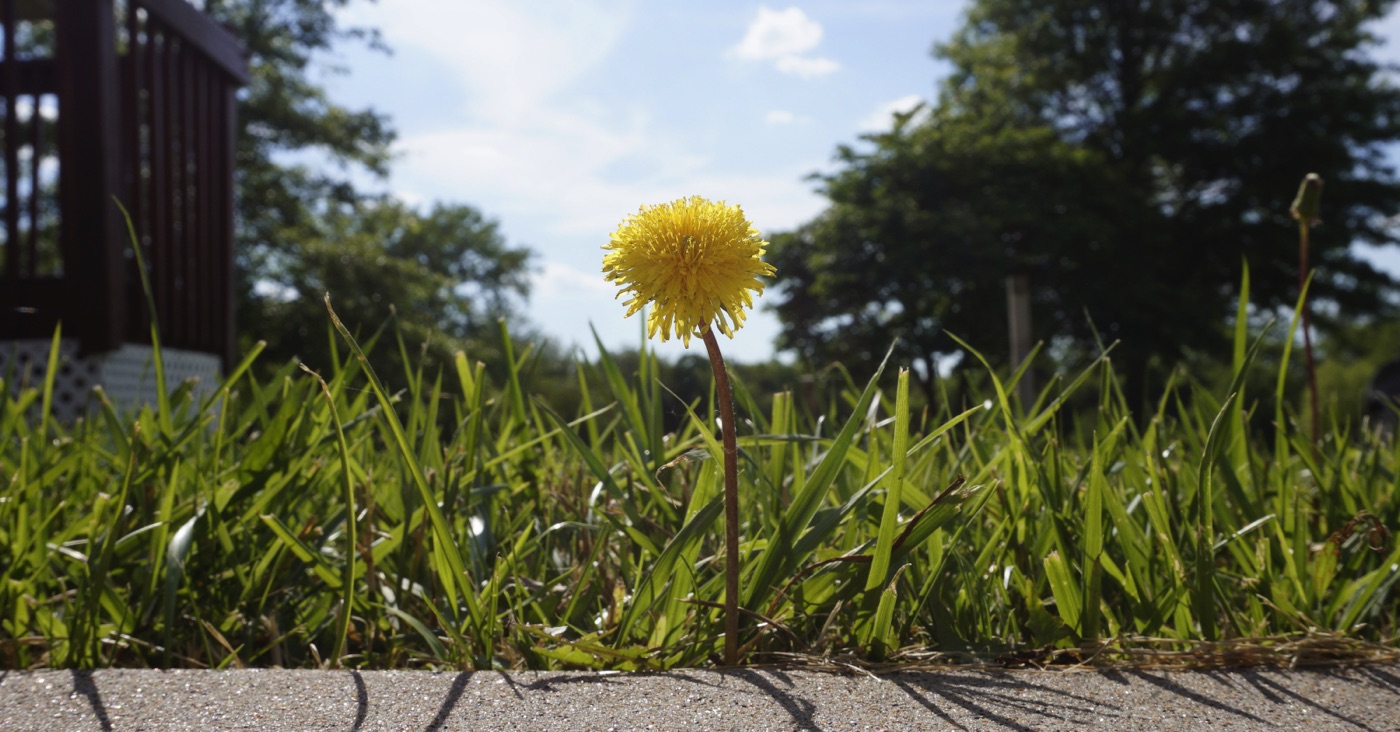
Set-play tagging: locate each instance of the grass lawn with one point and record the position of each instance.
(453, 521)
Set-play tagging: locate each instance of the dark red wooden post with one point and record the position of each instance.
(225, 260)
(11, 69)
(88, 136)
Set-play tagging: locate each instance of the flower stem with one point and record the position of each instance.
(725, 397)
(1307, 335)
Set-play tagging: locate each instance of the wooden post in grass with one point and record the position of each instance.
(91, 234)
(1018, 325)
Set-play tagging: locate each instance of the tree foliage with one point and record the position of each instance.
(437, 279)
(284, 112)
(305, 224)
(922, 230)
(1125, 156)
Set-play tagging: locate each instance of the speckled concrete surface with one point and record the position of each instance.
(1363, 698)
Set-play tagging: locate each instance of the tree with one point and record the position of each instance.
(302, 223)
(444, 278)
(283, 115)
(1153, 145)
(922, 229)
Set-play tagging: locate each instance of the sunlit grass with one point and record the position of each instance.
(471, 526)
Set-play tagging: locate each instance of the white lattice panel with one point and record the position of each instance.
(127, 374)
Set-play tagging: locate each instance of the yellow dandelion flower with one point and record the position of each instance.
(695, 262)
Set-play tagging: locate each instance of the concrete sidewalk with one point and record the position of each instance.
(1361, 698)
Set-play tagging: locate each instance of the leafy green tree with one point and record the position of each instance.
(1126, 156)
(305, 226)
(289, 127)
(922, 230)
(441, 280)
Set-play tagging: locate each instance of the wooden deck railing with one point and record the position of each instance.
(135, 102)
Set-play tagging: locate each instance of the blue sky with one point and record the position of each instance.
(558, 118)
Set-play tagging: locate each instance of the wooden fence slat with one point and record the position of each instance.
(206, 232)
(13, 263)
(224, 256)
(158, 71)
(36, 158)
(89, 172)
(135, 108)
(189, 231)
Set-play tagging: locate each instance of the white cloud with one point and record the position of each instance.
(882, 119)
(511, 57)
(779, 117)
(556, 176)
(784, 117)
(783, 36)
(558, 166)
(778, 33)
(555, 279)
(807, 66)
(559, 169)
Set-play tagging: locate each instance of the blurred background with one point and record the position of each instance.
(444, 165)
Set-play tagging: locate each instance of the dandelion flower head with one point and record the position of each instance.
(696, 263)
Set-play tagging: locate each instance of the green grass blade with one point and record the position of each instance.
(779, 559)
(889, 518)
(1203, 586)
(50, 374)
(158, 360)
(653, 587)
(1239, 447)
(444, 537)
(1068, 602)
(347, 579)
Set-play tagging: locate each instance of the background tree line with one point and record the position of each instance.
(437, 280)
(1124, 155)
(441, 278)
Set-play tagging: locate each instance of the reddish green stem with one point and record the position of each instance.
(725, 397)
(1307, 328)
